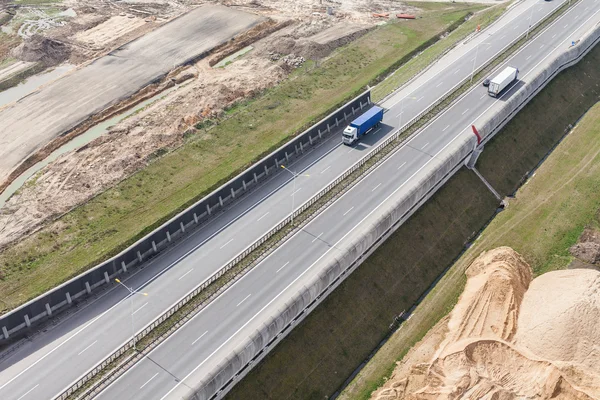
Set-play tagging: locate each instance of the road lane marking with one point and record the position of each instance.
(351, 208)
(542, 46)
(439, 84)
(148, 381)
(403, 164)
(482, 96)
(375, 188)
(230, 240)
(267, 213)
(245, 298)
(464, 112)
(350, 151)
(144, 305)
(329, 166)
(29, 391)
(456, 72)
(295, 191)
(553, 36)
(502, 37)
(81, 352)
(200, 337)
(420, 98)
(424, 146)
(566, 25)
(182, 276)
(317, 238)
(528, 58)
(282, 267)
(447, 126)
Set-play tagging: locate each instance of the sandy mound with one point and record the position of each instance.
(509, 337)
(560, 321)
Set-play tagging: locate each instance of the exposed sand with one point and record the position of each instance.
(509, 337)
(109, 30)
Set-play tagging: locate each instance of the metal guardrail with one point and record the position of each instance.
(82, 286)
(129, 345)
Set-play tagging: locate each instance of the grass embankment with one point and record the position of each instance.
(418, 63)
(548, 214)
(119, 216)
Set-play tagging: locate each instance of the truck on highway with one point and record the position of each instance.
(502, 80)
(362, 125)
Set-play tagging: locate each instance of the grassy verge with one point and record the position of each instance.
(545, 218)
(418, 63)
(116, 218)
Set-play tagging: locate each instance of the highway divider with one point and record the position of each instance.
(116, 363)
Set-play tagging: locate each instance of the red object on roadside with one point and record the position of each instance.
(405, 16)
(383, 15)
(476, 134)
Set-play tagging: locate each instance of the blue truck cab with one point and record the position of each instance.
(362, 125)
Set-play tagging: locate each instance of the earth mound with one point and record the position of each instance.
(510, 337)
(40, 48)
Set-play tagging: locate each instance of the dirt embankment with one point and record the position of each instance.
(509, 337)
(280, 45)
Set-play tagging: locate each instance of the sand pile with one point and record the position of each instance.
(509, 337)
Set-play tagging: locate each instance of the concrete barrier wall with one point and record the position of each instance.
(374, 231)
(361, 242)
(18, 321)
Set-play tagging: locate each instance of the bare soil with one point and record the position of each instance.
(509, 337)
(283, 43)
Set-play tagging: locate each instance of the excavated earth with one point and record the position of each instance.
(509, 337)
(281, 43)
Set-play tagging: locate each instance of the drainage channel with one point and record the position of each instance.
(77, 142)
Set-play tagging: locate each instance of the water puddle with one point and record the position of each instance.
(32, 83)
(229, 59)
(77, 142)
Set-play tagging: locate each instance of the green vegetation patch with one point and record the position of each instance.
(115, 219)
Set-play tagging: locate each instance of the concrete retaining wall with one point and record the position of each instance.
(380, 225)
(18, 321)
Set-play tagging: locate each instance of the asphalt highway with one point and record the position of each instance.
(195, 350)
(50, 362)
